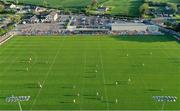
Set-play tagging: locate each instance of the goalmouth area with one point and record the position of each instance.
(90, 72)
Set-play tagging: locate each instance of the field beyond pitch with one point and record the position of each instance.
(90, 72)
(60, 3)
(119, 7)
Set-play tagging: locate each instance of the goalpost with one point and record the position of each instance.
(20, 108)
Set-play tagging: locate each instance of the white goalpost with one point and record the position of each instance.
(20, 107)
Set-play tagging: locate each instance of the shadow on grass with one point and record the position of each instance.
(105, 101)
(119, 83)
(87, 95)
(92, 98)
(2, 97)
(146, 38)
(89, 72)
(67, 87)
(20, 70)
(174, 60)
(153, 90)
(70, 95)
(90, 76)
(31, 85)
(66, 102)
(136, 65)
(110, 84)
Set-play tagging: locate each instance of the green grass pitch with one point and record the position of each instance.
(85, 70)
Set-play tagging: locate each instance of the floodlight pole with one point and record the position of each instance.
(20, 108)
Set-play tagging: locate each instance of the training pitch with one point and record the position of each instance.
(83, 73)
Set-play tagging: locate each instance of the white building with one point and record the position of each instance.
(102, 9)
(51, 17)
(40, 9)
(12, 6)
(129, 27)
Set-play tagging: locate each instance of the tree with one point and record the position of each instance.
(2, 31)
(15, 19)
(143, 8)
(94, 2)
(1, 8)
(16, 1)
(3, 1)
(177, 28)
(173, 7)
(146, 1)
(67, 11)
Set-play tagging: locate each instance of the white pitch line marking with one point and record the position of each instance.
(47, 74)
(104, 81)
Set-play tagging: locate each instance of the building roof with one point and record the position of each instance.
(52, 13)
(12, 6)
(103, 8)
(127, 24)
